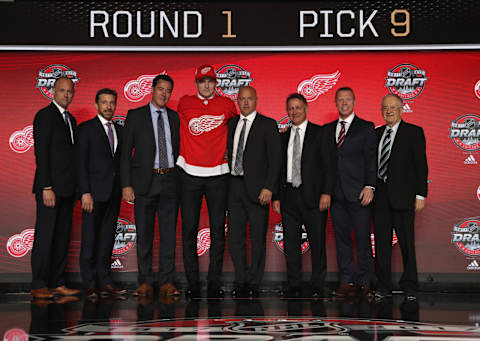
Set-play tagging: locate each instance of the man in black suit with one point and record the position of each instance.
(306, 187)
(354, 141)
(150, 179)
(400, 192)
(54, 132)
(98, 156)
(254, 154)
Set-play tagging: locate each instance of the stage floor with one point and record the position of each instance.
(445, 317)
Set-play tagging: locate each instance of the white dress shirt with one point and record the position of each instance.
(105, 127)
(301, 132)
(236, 136)
(348, 123)
(62, 110)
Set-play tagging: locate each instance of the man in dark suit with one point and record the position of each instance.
(306, 187)
(54, 132)
(254, 154)
(150, 179)
(354, 141)
(98, 156)
(400, 192)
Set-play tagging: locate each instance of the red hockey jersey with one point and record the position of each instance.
(203, 134)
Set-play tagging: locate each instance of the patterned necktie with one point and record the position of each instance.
(385, 155)
(111, 139)
(238, 167)
(296, 156)
(341, 135)
(162, 145)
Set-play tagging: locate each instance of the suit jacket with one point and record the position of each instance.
(261, 156)
(98, 171)
(407, 167)
(357, 158)
(317, 166)
(54, 152)
(139, 149)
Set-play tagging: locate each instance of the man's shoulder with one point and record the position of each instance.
(48, 110)
(88, 123)
(363, 123)
(138, 111)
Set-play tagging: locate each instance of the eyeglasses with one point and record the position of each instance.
(391, 108)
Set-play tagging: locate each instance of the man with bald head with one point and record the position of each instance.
(401, 190)
(54, 132)
(254, 155)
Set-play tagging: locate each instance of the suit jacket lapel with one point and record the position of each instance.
(397, 142)
(60, 118)
(253, 128)
(306, 141)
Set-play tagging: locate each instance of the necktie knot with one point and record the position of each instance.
(389, 131)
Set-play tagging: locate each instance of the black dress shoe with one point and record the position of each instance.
(193, 293)
(252, 291)
(238, 292)
(215, 291)
(318, 293)
(382, 294)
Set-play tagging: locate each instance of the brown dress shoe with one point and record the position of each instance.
(345, 289)
(64, 291)
(143, 290)
(168, 289)
(41, 293)
(111, 289)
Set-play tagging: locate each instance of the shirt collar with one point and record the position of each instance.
(250, 117)
(154, 109)
(302, 126)
(103, 120)
(394, 128)
(201, 97)
(62, 110)
(349, 119)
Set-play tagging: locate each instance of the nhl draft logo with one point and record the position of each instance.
(278, 238)
(203, 241)
(465, 132)
(406, 81)
(477, 89)
(230, 78)
(125, 237)
(136, 89)
(205, 123)
(119, 119)
(466, 235)
(47, 77)
(21, 140)
(316, 86)
(18, 245)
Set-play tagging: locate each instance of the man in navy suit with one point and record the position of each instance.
(400, 192)
(354, 141)
(98, 154)
(54, 132)
(150, 179)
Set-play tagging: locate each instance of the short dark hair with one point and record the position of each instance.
(162, 77)
(105, 91)
(345, 88)
(296, 96)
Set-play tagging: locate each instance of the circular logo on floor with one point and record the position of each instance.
(19, 244)
(278, 238)
(125, 237)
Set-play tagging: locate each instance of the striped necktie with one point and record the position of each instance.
(238, 166)
(341, 135)
(385, 155)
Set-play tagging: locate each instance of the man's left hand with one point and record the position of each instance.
(325, 200)
(419, 204)
(366, 196)
(265, 196)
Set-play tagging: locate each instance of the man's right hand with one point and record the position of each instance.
(87, 202)
(128, 194)
(276, 206)
(48, 197)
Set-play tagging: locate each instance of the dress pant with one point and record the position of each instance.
(385, 219)
(215, 189)
(162, 199)
(294, 214)
(98, 237)
(51, 242)
(345, 216)
(241, 209)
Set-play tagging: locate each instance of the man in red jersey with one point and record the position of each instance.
(203, 141)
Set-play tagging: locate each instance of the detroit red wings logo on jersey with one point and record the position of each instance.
(21, 140)
(204, 124)
(136, 89)
(18, 245)
(312, 88)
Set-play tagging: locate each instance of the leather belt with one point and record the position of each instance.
(162, 170)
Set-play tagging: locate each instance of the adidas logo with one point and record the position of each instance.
(470, 160)
(473, 265)
(116, 264)
(407, 108)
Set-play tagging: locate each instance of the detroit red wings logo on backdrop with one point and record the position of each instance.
(317, 85)
(18, 245)
(203, 241)
(21, 140)
(47, 77)
(136, 89)
(205, 123)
